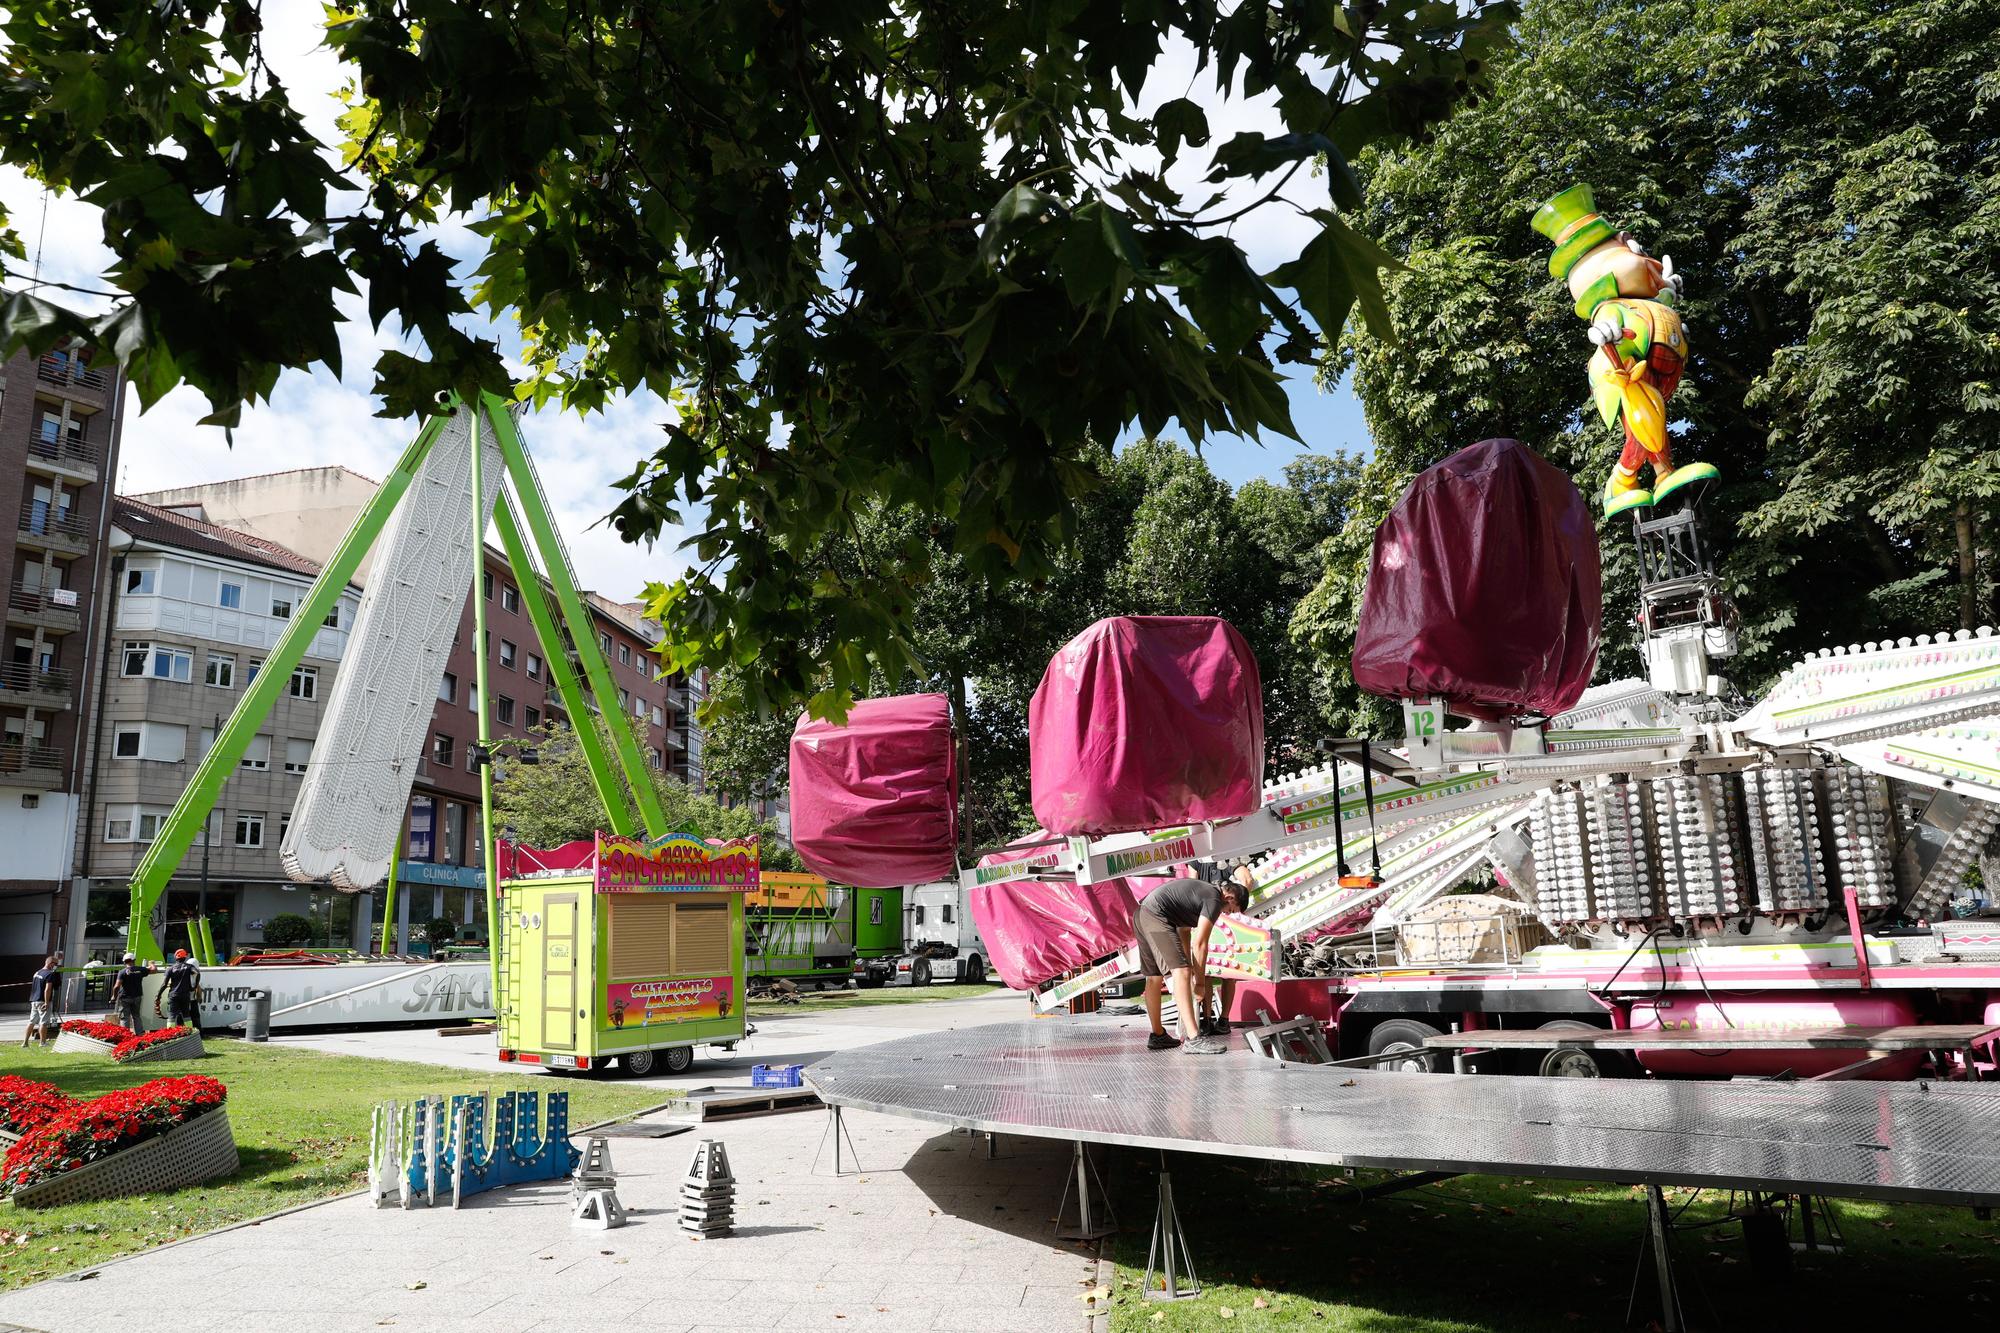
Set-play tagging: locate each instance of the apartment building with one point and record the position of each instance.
(190, 613)
(59, 428)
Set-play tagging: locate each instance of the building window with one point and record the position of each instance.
(503, 710)
(298, 754)
(945, 912)
(604, 642)
(160, 742)
(486, 584)
(250, 675)
(472, 757)
(506, 654)
(639, 709)
(133, 823)
(249, 828)
(656, 760)
(332, 620)
(220, 671)
(472, 700)
(624, 699)
(625, 654)
(659, 718)
(305, 682)
(454, 835)
(533, 717)
(448, 688)
(159, 661)
(441, 750)
(229, 595)
(534, 667)
(140, 581)
(257, 756)
(284, 826)
(281, 607)
(419, 846)
(510, 597)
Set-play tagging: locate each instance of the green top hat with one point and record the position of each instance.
(1571, 221)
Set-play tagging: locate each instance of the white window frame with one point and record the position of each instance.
(142, 581)
(534, 667)
(507, 652)
(149, 741)
(252, 760)
(222, 591)
(281, 607)
(304, 683)
(250, 828)
(448, 693)
(297, 766)
(227, 663)
(510, 597)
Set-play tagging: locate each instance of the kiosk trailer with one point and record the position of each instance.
(623, 949)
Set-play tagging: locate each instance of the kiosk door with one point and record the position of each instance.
(559, 975)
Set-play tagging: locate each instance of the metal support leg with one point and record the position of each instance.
(1168, 1252)
(992, 1147)
(836, 1127)
(1659, 1234)
(1088, 1225)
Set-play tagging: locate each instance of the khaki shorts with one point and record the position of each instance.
(40, 1015)
(1160, 947)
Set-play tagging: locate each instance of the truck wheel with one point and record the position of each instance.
(1404, 1034)
(920, 972)
(1575, 1062)
(679, 1059)
(638, 1064)
(975, 969)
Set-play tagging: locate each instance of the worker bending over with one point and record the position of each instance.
(1174, 923)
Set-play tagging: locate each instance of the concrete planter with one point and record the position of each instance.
(75, 1043)
(201, 1149)
(188, 1047)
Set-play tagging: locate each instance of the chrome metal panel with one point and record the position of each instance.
(1091, 1078)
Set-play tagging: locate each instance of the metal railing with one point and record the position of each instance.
(60, 368)
(58, 603)
(39, 518)
(28, 676)
(71, 450)
(19, 759)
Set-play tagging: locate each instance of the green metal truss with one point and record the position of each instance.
(176, 835)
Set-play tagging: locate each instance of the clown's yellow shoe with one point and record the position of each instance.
(1618, 499)
(1681, 476)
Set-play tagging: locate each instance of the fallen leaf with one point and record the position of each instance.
(1257, 1304)
(1348, 1084)
(419, 1286)
(1156, 1316)
(1225, 1311)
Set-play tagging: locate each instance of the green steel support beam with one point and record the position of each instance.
(176, 835)
(555, 658)
(389, 902)
(582, 629)
(489, 845)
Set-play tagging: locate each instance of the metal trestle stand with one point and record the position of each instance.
(1168, 1254)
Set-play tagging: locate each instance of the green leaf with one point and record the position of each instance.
(1179, 122)
(1336, 269)
(1018, 210)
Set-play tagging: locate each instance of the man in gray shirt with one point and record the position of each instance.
(1173, 925)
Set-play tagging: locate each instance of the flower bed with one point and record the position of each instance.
(111, 1033)
(25, 1104)
(126, 1142)
(165, 1044)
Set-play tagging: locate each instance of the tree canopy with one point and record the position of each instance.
(906, 253)
(1825, 176)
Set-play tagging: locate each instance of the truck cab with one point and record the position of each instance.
(940, 942)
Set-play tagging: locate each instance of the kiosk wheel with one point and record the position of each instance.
(678, 1059)
(638, 1064)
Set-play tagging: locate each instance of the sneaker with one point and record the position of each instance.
(1219, 1028)
(1205, 1046)
(1160, 1041)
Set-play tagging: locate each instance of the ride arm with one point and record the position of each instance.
(176, 835)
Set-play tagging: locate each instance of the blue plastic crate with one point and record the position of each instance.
(777, 1076)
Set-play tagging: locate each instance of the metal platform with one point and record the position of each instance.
(1929, 1037)
(1092, 1080)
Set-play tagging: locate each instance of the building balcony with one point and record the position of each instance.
(70, 457)
(37, 766)
(66, 370)
(24, 685)
(55, 609)
(43, 526)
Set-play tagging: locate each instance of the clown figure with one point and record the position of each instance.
(1628, 297)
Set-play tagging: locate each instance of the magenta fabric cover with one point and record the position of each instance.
(1142, 722)
(1484, 588)
(875, 801)
(1037, 930)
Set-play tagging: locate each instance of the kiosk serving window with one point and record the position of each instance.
(654, 935)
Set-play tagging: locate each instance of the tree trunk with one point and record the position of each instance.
(1968, 566)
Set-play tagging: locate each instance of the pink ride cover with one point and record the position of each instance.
(1144, 722)
(875, 801)
(1037, 930)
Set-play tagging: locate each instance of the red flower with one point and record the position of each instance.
(130, 1045)
(24, 1103)
(88, 1131)
(111, 1032)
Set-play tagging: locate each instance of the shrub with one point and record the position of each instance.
(92, 1130)
(111, 1032)
(440, 931)
(287, 930)
(25, 1103)
(131, 1046)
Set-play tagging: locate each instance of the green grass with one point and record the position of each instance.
(1300, 1252)
(811, 1001)
(301, 1125)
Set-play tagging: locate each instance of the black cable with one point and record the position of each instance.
(1368, 792)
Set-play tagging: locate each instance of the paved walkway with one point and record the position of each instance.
(929, 1234)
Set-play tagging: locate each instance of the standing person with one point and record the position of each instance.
(1165, 958)
(128, 987)
(183, 988)
(45, 1001)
